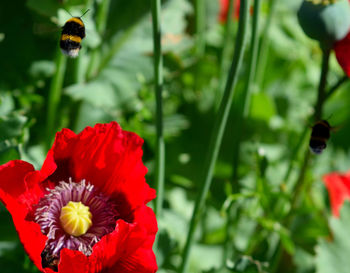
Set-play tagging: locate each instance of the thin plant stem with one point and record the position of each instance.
(264, 43)
(227, 38)
(200, 27)
(322, 86)
(78, 76)
(299, 185)
(295, 153)
(101, 16)
(79, 72)
(321, 96)
(101, 22)
(55, 95)
(243, 99)
(243, 104)
(335, 87)
(224, 58)
(158, 77)
(218, 131)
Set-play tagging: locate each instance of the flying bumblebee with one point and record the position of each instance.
(73, 32)
(319, 136)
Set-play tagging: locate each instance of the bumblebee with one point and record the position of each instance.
(319, 136)
(73, 32)
(48, 260)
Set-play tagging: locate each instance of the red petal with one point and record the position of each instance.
(109, 158)
(146, 218)
(36, 184)
(12, 188)
(12, 177)
(342, 49)
(112, 246)
(338, 187)
(142, 261)
(73, 262)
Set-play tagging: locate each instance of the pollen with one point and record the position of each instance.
(76, 218)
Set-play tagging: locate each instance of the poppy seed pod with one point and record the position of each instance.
(326, 21)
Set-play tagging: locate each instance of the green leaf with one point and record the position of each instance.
(42, 69)
(262, 107)
(11, 126)
(6, 103)
(8, 152)
(97, 93)
(333, 255)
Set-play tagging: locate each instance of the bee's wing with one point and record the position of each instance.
(335, 129)
(43, 29)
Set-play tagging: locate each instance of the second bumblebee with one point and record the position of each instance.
(319, 136)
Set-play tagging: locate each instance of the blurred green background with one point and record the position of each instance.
(113, 80)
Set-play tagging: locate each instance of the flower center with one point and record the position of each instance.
(75, 218)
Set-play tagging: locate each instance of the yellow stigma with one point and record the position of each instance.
(75, 218)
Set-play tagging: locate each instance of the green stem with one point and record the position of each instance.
(200, 27)
(335, 87)
(264, 43)
(101, 21)
(101, 16)
(158, 77)
(298, 188)
(300, 182)
(243, 105)
(218, 131)
(55, 95)
(322, 86)
(243, 98)
(224, 58)
(321, 96)
(227, 38)
(295, 153)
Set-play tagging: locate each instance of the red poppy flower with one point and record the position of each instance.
(338, 186)
(224, 5)
(85, 210)
(342, 49)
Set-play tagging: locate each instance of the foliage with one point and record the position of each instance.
(330, 253)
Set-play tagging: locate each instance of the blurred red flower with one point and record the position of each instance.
(338, 186)
(342, 49)
(102, 168)
(224, 5)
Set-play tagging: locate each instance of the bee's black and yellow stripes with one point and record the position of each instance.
(73, 32)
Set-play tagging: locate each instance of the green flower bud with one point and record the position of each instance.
(326, 21)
